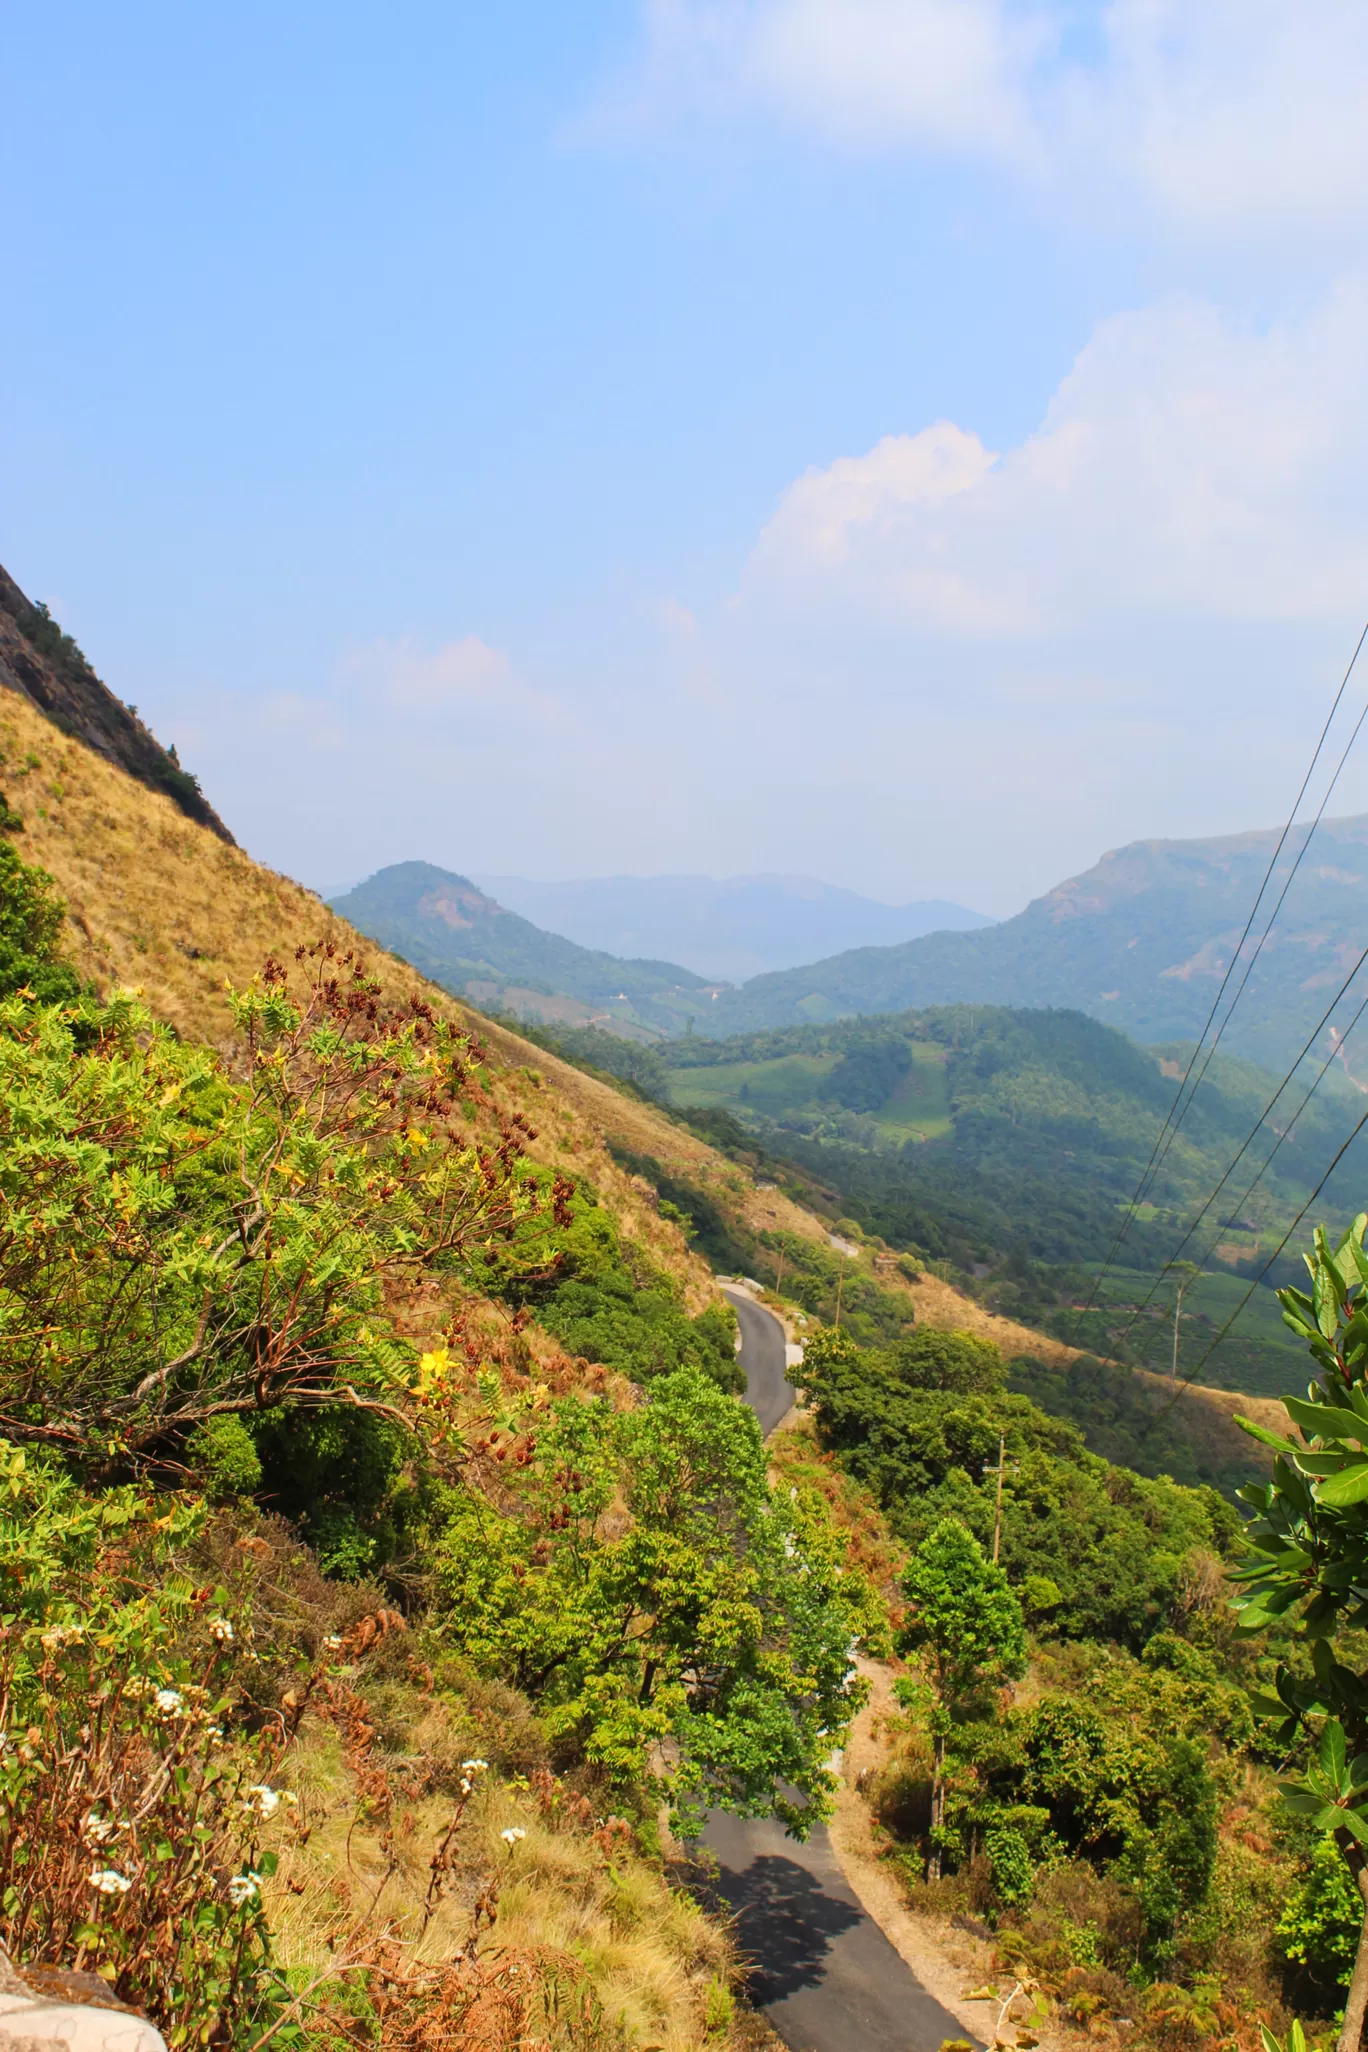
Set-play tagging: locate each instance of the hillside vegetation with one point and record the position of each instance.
(1006, 1146)
(367, 1417)
(1141, 941)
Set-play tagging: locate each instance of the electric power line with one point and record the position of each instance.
(1189, 1379)
(1258, 946)
(1136, 1199)
(1246, 1144)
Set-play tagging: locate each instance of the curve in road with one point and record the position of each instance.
(825, 1975)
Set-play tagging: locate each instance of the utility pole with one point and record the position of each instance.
(997, 1515)
(1186, 1274)
(840, 1285)
(779, 1272)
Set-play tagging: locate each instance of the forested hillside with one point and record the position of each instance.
(1007, 1145)
(44, 665)
(1142, 941)
(1090, 1756)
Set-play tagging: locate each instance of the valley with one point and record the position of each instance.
(466, 1452)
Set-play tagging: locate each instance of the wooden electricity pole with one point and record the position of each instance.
(997, 1515)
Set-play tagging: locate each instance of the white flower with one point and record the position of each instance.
(263, 1800)
(220, 1629)
(97, 1830)
(467, 1785)
(214, 1732)
(333, 1641)
(170, 1702)
(109, 1881)
(59, 1636)
(244, 1888)
(512, 1835)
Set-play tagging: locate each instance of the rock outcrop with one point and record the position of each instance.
(45, 666)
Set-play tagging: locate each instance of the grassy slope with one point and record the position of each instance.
(158, 902)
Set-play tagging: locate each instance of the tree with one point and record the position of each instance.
(1308, 1567)
(634, 1574)
(965, 1627)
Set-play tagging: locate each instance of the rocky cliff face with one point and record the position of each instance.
(45, 666)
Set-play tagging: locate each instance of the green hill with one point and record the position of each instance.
(474, 947)
(1141, 941)
(1008, 1144)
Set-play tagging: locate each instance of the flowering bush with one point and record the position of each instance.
(184, 1241)
(133, 1837)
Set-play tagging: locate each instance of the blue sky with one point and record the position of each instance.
(914, 442)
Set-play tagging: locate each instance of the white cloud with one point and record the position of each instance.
(1224, 115)
(865, 72)
(1232, 111)
(458, 673)
(1184, 466)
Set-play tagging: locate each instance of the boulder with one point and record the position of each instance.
(34, 2023)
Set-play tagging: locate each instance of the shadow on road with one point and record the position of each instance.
(785, 1923)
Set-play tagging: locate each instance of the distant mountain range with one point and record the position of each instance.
(1141, 940)
(472, 945)
(725, 929)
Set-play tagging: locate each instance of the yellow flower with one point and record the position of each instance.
(432, 1369)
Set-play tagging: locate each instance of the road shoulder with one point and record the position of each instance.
(946, 1961)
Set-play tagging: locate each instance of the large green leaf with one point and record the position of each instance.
(1325, 1421)
(1350, 1486)
(1333, 1751)
(1261, 1432)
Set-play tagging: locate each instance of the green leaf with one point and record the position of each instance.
(1333, 1751)
(1325, 1421)
(1304, 1802)
(1354, 1821)
(1350, 1486)
(1262, 1433)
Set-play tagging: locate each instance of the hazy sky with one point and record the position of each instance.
(916, 442)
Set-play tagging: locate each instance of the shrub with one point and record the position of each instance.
(131, 1832)
(177, 1246)
(1012, 1865)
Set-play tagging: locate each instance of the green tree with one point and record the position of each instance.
(964, 1625)
(1115, 1546)
(1309, 1567)
(644, 1585)
(1319, 1927)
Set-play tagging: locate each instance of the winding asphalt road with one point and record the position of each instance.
(824, 1974)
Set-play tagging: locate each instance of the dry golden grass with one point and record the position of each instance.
(657, 1963)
